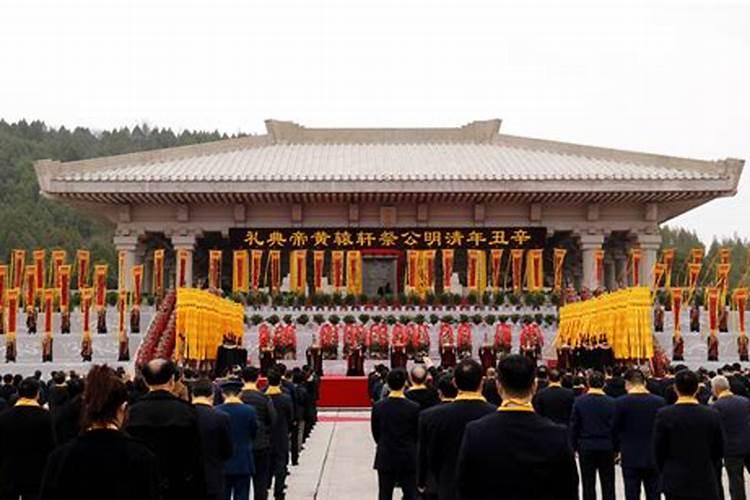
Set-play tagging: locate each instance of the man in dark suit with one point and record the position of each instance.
(555, 401)
(26, 440)
(394, 424)
(215, 437)
(735, 419)
(514, 453)
(441, 429)
(591, 436)
(266, 413)
(419, 392)
(489, 388)
(633, 430)
(615, 384)
(688, 444)
(284, 407)
(169, 427)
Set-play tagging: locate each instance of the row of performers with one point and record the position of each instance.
(678, 348)
(87, 349)
(590, 351)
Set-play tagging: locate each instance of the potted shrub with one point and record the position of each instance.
(319, 319)
(448, 318)
(476, 319)
(390, 319)
(490, 319)
(273, 319)
(349, 319)
(419, 319)
(364, 318)
(303, 319)
(334, 319)
(434, 319)
(256, 319)
(288, 319)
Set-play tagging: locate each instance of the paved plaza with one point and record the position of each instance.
(337, 461)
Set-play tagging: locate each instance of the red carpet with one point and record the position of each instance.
(343, 392)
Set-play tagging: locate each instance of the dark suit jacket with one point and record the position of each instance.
(169, 427)
(633, 428)
(101, 464)
(591, 423)
(266, 414)
(735, 419)
(615, 387)
(738, 385)
(394, 426)
(67, 420)
(284, 407)
(555, 403)
(516, 456)
(688, 447)
(441, 429)
(26, 439)
(425, 398)
(217, 445)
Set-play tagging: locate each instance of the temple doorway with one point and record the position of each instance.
(379, 273)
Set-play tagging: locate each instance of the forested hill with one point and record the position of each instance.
(28, 220)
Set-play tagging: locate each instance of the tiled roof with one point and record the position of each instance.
(386, 162)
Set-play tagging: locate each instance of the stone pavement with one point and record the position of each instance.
(337, 461)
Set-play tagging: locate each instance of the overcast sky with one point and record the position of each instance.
(663, 77)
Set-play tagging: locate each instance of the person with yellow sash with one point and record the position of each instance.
(441, 429)
(513, 453)
(689, 444)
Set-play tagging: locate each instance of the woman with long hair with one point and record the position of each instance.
(102, 462)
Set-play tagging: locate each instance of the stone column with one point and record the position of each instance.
(610, 272)
(127, 244)
(649, 244)
(184, 242)
(621, 268)
(589, 243)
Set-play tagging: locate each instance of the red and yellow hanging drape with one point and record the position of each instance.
(558, 261)
(100, 286)
(516, 267)
(722, 279)
(12, 296)
(667, 258)
(658, 274)
(240, 268)
(58, 259)
(447, 264)
(19, 266)
(677, 296)
(122, 278)
(496, 258)
(48, 305)
(182, 262)
(30, 287)
(158, 272)
(214, 269)
(319, 257)
(298, 271)
(3, 286)
(739, 297)
(87, 295)
(65, 272)
(599, 267)
(83, 258)
(725, 255)
(354, 272)
(274, 262)
(122, 311)
(476, 270)
(137, 273)
(256, 260)
(713, 300)
(534, 269)
(39, 257)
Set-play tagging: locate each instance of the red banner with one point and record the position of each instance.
(255, 273)
(275, 263)
(49, 307)
(240, 266)
(58, 259)
(122, 311)
(412, 268)
(725, 255)
(516, 265)
(496, 258)
(696, 255)
(214, 269)
(428, 270)
(121, 269)
(137, 272)
(30, 287)
(19, 265)
(182, 262)
(676, 308)
(472, 269)
(658, 274)
(158, 278)
(667, 257)
(39, 256)
(3, 285)
(100, 284)
(740, 301)
(65, 271)
(712, 303)
(318, 265)
(447, 255)
(86, 297)
(83, 258)
(558, 265)
(11, 298)
(534, 270)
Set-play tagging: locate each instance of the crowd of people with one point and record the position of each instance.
(164, 434)
(516, 432)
